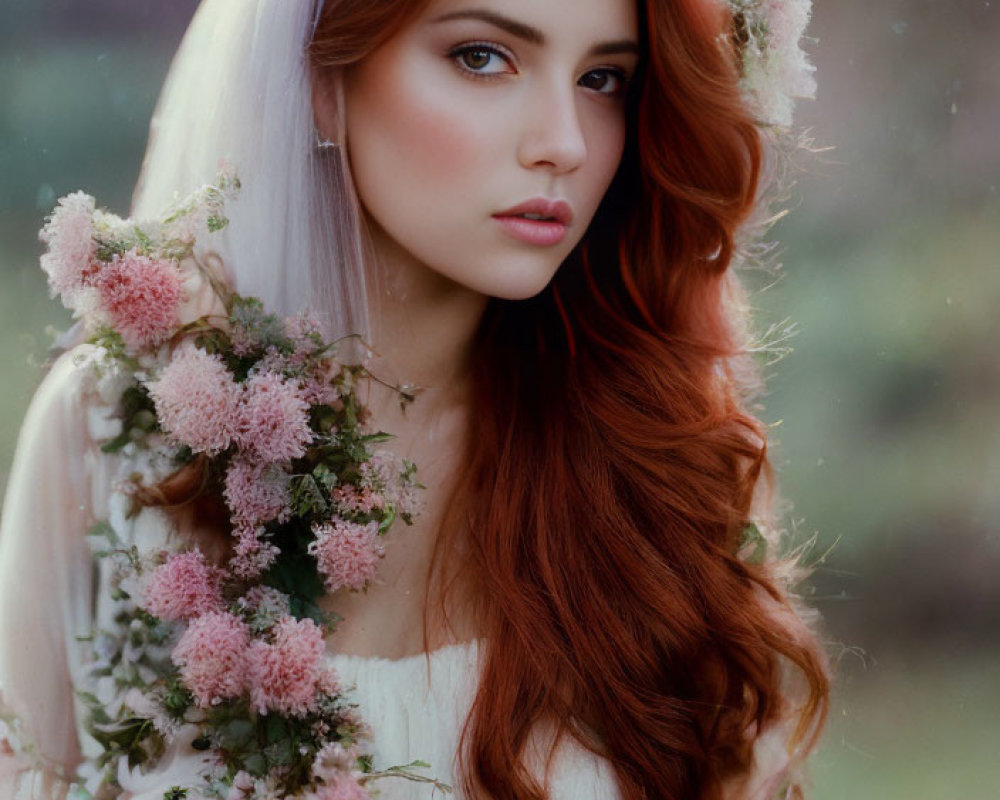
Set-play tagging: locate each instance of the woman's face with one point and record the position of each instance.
(482, 111)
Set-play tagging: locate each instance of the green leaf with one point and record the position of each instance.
(307, 497)
(90, 699)
(325, 477)
(237, 734)
(104, 530)
(256, 765)
(280, 753)
(275, 728)
(377, 438)
(390, 517)
(323, 418)
(176, 699)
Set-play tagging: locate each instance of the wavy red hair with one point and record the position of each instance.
(615, 462)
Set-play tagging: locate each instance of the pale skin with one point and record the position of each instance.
(472, 109)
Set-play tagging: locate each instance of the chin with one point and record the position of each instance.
(512, 278)
(522, 288)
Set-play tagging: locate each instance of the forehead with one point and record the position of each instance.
(582, 22)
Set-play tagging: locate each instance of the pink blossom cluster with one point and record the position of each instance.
(244, 785)
(343, 787)
(267, 600)
(305, 332)
(333, 760)
(315, 379)
(383, 473)
(140, 297)
(212, 655)
(350, 500)
(183, 587)
(199, 404)
(335, 766)
(252, 552)
(219, 659)
(286, 673)
(272, 421)
(69, 234)
(318, 391)
(256, 493)
(346, 553)
(196, 400)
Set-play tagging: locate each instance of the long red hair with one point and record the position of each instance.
(615, 463)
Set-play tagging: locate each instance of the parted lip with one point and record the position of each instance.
(558, 210)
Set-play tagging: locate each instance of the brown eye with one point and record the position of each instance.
(605, 81)
(476, 59)
(481, 60)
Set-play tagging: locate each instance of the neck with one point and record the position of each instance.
(422, 329)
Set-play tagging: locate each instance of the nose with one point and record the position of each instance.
(552, 137)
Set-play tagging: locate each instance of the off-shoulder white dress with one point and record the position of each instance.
(52, 593)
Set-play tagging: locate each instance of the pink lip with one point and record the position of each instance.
(543, 232)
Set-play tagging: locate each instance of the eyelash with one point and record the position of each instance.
(455, 55)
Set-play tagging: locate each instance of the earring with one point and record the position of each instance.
(319, 143)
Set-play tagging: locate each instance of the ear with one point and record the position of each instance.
(328, 103)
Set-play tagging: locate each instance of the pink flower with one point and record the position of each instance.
(141, 297)
(243, 786)
(306, 334)
(252, 553)
(346, 553)
(266, 600)
(273, 418)
(69, 234)
(196, 400)
(304, 330)
(328, 683)
(384, 473)
(381, 470)
(256, 493)
(183, 587)
(284, 673)
(351, 501)
(343, 787)
(212, 656)
(333, 760)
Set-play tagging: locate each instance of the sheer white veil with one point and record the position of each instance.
(239, 92)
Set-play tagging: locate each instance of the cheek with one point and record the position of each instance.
(407, 131)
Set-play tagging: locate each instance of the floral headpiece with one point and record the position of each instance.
(775, 70)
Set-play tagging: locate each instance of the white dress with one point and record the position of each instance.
(50, 595)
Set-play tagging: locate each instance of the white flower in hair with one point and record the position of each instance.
(775, 69)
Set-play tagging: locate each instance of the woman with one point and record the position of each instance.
(530, 211)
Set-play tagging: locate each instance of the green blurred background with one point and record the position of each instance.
(886, 415)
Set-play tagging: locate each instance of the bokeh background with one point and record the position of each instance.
(886, 416)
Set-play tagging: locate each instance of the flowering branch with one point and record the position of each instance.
(257, 413)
